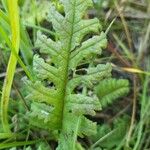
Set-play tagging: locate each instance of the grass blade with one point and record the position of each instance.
(15, 31)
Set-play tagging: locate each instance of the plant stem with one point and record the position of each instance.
(133, 112)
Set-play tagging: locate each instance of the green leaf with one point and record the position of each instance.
(44, 70)
(53, 92)
(88, 48)
(111, 89)
(40, 93)
(41, 110)
(80, 104)
(72, 25)
(87, 127)
(93, 74)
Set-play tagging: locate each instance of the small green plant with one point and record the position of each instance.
(66, 86)
(57, 103)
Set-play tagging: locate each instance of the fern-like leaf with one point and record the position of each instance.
(111, 89)
(55, 83)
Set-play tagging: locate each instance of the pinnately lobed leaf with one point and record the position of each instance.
(56, 82)
(115, 89)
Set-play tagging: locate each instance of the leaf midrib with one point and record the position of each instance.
(67, 66)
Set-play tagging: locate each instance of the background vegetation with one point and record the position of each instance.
(124, 122)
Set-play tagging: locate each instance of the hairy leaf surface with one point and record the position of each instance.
(56, 82)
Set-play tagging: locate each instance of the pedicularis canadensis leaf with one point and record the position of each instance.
(115, 89)
(58, 104)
